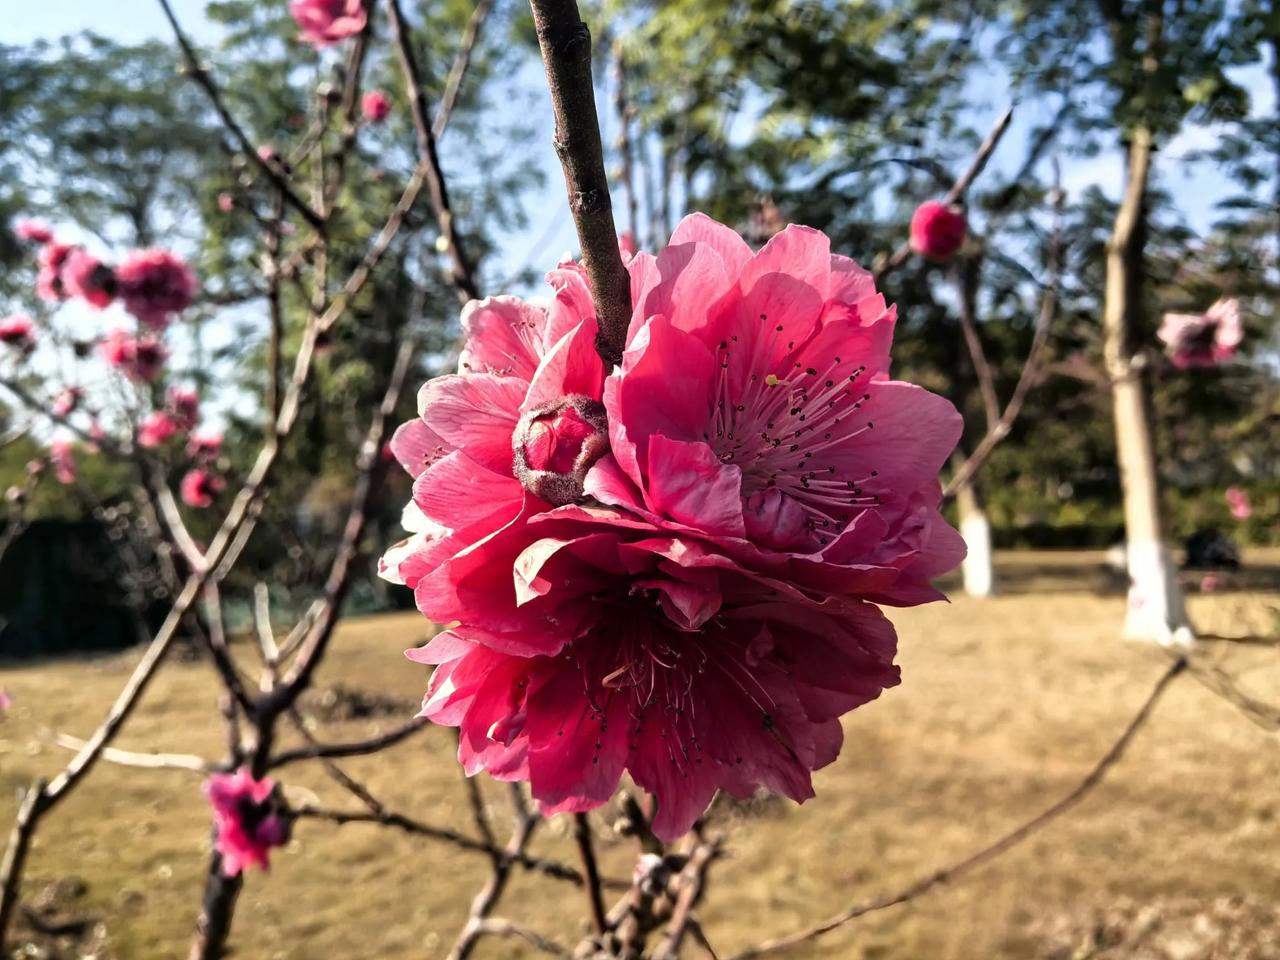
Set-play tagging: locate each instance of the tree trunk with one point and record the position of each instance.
(977, 568)
(1156, 610)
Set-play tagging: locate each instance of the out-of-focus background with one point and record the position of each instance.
(842, 116)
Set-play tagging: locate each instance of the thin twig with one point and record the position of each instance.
(501, 927)
(462, 269)
(201, 76)
(316, 750)
(586, 850)
(565, 42)
(458, 71)
(147, 761)
(993, 850)
(692, 882)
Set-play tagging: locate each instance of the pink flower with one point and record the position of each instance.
(1203, 340)
(87, 277)
(49, 281)
(375, 106)
(33, 231)
(682, 589)
(6, 701)
(156, 429)
(96, 436)
(248, 817)
(1238, 503)
(615, 648)
(226, 202)
(183, 405)
(63, 460)
(65, 403)
(154, 284)
(267, 153)
(138, 358)
(324, 22)
(199, 487)
(937, 230)
(204, 446)
(1211, 582)
(18, 331)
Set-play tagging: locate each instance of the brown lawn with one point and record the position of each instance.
(1005, 704)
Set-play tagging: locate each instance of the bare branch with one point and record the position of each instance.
(566, 53)
(458, 72)
(498, 927)
(586, 850)
(316, 750)
(147, 761)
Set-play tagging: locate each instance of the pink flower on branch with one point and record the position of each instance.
(183, 404)
(33, 231)
(937, 230)
(671, 571)
(66, 402)
(1238, 503)
(19, 332)
(325, 22)
(154, 285)
(85, 276)
(49, 281)
(156, 429)
(63, 460)
(139, 358)
(249, 819)
(375, 106)
(200, 487)
(1203, 340)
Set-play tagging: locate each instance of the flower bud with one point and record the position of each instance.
(556, 444)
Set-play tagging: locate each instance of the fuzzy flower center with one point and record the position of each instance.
(787, 426)
(554, 446)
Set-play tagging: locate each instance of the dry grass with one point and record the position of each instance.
(1005, 703)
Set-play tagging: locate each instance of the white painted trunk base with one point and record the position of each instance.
(1156, 609)
(977, 568)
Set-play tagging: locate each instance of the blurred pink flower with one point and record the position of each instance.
(1211, 582)
(937, 230)
(267, 153)
(65, 403)
(204, 446)
(375, 106)
(1203, 340)
(1238, 503)
(87, 277)
(249, 819)
(139, 358)
(199, 487)
(226, 202)
(49, 282)
(183, 404)
(324, 22)
(33, 231)
(682, 589)
(156, 429)
(63, 460)
(154, 285)
(18, 331)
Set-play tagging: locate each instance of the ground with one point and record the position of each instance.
(1005, 704)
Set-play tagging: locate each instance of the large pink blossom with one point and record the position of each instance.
(324, 22)
(87, 277)
(18, 331)
(200, 487)
(937, 230)
(154, 285)
(62, 456)
(1206, 339)
(139, 358)
(248, 817)
(592, 644)
(156, 429)
(672, 571)
(754, 407)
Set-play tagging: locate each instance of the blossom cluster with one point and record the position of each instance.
(673, 568)
(152, 285)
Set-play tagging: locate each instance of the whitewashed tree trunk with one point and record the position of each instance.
(977, 569)
(1156, 609)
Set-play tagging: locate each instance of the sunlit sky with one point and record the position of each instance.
(550, 232)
